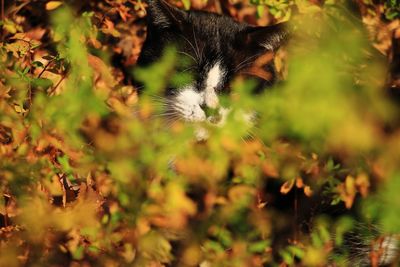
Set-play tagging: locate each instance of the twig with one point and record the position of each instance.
(44, 69)
(59, 82)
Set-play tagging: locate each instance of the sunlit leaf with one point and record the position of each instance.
(51, 5)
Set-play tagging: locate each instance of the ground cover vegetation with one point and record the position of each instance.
(91, 176)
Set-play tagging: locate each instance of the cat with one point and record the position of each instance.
(220, 48)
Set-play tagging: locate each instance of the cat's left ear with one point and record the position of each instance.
(267, 37)
(164, 15)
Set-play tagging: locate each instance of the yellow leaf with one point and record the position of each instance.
(350, 185)
(192, 255)
(178, 201)
(154, 246)
(348, 191)
(315, 257)
(54, 186)
(53, 5)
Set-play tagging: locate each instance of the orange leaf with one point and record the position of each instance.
(299, 182)
(363, 184)
(287, 186)
(269, 169)
(53, 5)
(307, 191)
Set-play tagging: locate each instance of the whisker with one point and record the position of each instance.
(244, 140)
(172, 118)
(161, 105)
(194, 49)
(153, 96)
(246, 61)
(163, 101)
(166, 114)
(171, 121)
(195, 41)
(179, 109)
(185, 70)
(137, 88)
(184, 53)
(243, 64)
(256, 137)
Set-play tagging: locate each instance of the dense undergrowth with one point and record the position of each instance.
(91, 176)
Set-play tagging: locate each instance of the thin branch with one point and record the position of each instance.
(45, 68)
(59, 82)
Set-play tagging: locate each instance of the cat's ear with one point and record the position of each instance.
(164, 15)
(268, 37)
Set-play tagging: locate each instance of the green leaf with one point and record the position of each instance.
(78, 253)
(10, 26)
(42, 82)
(64, 162)
(260, 10)
(392, 14)
(258, 247)
(26, 70)
(37, 64)
(298, 252)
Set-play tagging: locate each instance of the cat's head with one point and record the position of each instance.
(217, 46)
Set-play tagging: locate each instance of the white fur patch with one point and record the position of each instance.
(188, 104)
(201, 134)
(188, 101)
(214, 77)
(389, 249)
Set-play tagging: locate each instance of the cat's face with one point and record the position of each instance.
(217, 47)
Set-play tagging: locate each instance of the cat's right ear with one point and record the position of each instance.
(163, 15)
(264, 38)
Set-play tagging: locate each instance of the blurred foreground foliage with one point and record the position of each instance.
(90, 176)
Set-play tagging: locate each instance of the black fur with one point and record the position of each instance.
(207, 37)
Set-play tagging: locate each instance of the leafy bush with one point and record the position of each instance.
(90, 175)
